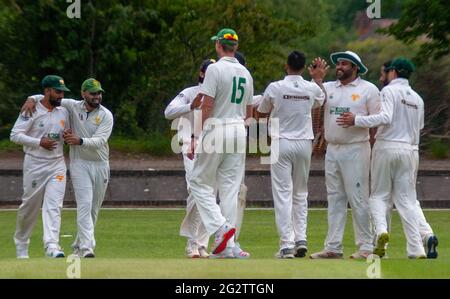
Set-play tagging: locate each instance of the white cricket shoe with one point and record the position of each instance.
(222, 235)
(54, 252)
(22, 252)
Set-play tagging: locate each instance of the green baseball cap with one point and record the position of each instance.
(53, 81)
(226, 36)
(91, 85)
(402, 65)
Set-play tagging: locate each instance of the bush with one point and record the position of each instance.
(439, 149)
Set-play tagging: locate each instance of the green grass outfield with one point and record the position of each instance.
(145, 244)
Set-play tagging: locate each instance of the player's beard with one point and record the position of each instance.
(344, 75)
(55, 101)
(93, 103)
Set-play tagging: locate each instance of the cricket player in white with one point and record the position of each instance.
(290, 102)
(44, 168)
(426, 232)
(347, 160)
(393, 161)
(183, 108)
(91, 126)
(226, 91)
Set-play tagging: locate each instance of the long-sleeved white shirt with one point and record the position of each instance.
(188, 121)
(28, 131)
(359, 97)
(94, 127)
(290, 101)
(401, 117)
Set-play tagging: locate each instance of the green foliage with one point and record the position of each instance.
(157, 144)
(439, 149)
(428, 20)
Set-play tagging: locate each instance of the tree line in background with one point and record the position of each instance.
(145, 51)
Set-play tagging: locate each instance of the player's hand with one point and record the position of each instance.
(197, 101)
(347, 119)
(318, 69)
(70, 138)
(191, 153)
(48, 143)
(29, 107)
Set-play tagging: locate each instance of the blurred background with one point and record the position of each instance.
(146, 51)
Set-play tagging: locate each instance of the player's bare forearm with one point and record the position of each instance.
(207, 108)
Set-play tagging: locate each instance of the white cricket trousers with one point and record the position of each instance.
(347, 181)
(289, 175)
(90, 180)
(220, 166)
(393, 179)
(425, 229)
(192, 226)
(44, 184)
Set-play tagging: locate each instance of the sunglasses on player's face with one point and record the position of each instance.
(95, 93)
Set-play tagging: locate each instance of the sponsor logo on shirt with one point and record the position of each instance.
(33, 184)
(59, 177)
(80, 115)
(97, 120)
(355, 97)
(339, 110)
(62, 123)
(409, 105)
(53, 136)
(41, 124)
(295, 98)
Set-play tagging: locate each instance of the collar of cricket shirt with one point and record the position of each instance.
(230, 59)
(293, 77)
(399, 81)
(353, 83)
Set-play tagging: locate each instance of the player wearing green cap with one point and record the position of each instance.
(226, 92)
(393, 174)
(44, 168)
(91, 126)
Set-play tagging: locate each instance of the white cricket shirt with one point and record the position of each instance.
(180, 108)
(290, 101)
(231, 86)
(402, 114)
(28, 131)
(359, 97)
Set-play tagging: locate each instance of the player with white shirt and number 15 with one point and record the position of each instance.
(290, 101)
(227, 93)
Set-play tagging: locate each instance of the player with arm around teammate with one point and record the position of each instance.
(91, 127)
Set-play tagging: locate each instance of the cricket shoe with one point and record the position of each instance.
(380, 248)
(301, 247)
(326, 254)
(22, 252)
(54, 252)
(361, 255)
(223, 234)
(227, 253)
(285, 253)
(239, 253)
(203, 253)
(87, 253)
(430, 247)
(192, 250)
(417, 257)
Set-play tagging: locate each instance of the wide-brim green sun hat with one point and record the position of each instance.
(349, 56)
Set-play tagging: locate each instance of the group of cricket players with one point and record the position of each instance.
(217, 109)
(370, 179)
